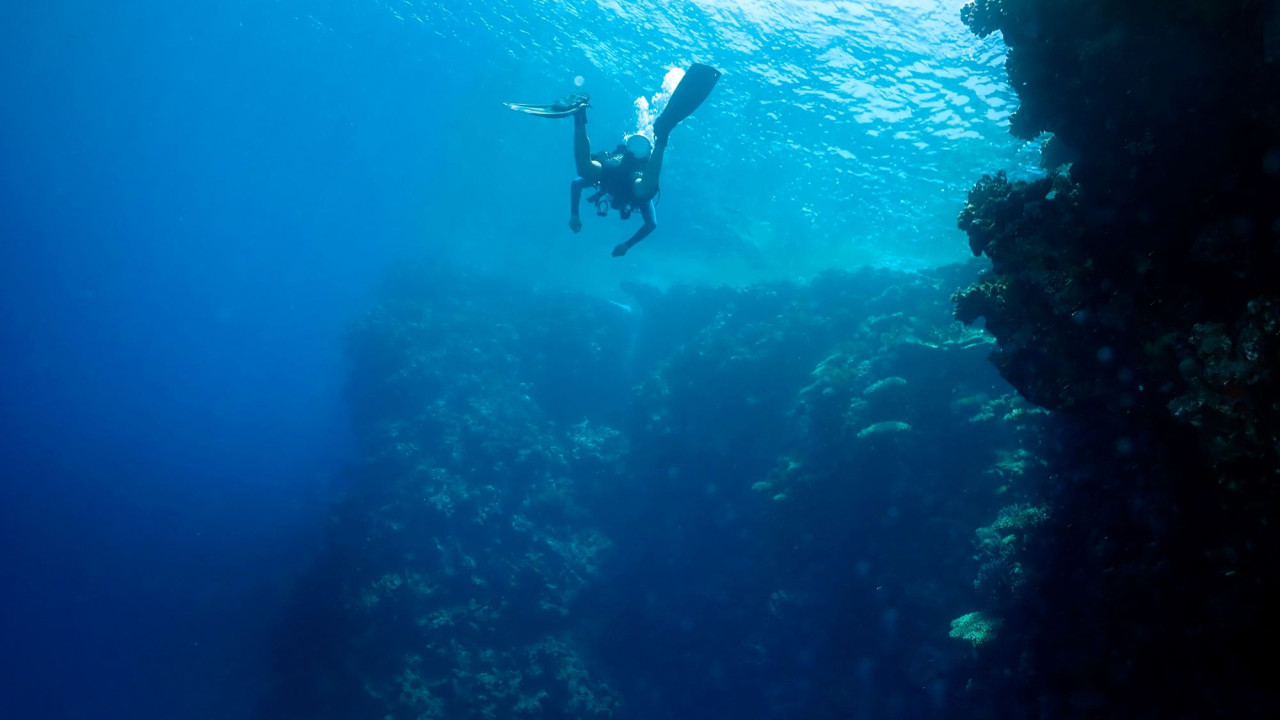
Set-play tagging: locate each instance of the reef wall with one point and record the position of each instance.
(705, 503)
(1133, 291)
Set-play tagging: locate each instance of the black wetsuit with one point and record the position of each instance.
(617, 185)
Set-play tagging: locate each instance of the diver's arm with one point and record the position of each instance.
(575, 195)
(650, 224)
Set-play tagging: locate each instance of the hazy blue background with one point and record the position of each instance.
(196, 199)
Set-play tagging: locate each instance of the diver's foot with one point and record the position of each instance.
(620, 250)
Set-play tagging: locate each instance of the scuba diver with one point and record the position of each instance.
(625, 179)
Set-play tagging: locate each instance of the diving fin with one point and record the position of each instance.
(694, 87)
(564, 107)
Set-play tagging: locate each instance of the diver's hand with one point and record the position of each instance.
(620, 250)
(575, 223)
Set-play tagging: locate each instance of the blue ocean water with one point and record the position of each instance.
(196, 202)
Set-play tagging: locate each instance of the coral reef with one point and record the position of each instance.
(463, 546)
(863, 419)
(1131, 290)
(566, 509)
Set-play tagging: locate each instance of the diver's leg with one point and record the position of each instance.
(587, 168)
(647, 183)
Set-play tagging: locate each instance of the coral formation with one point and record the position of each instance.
(1002, 574)
(976, 627)
(663, 539)
(1131, 291)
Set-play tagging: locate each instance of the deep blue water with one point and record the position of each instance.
(196, 201)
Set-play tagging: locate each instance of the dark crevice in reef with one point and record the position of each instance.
(1133, 291)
